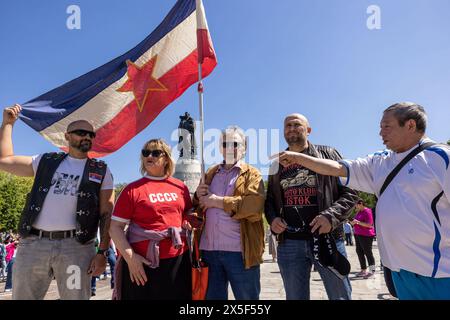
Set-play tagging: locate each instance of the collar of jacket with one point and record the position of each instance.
(312, 150)
(243, 167)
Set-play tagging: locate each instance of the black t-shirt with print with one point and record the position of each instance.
(299, 186)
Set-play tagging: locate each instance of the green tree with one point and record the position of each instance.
(448, 142)
(118, 189)
(370, 201)
(13, 192)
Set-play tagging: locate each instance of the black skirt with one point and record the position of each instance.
(170, 281)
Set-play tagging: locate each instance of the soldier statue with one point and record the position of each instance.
(186, 134)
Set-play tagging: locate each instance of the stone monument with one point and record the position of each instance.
(188, 168)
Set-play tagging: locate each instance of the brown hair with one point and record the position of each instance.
(159, 144)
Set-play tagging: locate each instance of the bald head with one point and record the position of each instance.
(80, 125)
(299, 116)
(296, 131)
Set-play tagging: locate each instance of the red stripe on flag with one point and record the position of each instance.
(130, 121)
(205, 49)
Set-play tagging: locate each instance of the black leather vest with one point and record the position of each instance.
(88, 196)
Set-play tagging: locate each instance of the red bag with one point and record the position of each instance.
(199, 273)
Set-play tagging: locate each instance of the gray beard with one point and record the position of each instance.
(83, 146)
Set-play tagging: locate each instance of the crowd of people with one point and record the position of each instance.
(8, 246)
(310, 196)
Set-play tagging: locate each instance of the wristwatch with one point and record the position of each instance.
(103, 252)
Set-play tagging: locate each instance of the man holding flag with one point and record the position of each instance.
(119, 99)
(71, 196)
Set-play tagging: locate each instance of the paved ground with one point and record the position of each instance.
(363, 289)
(271, 283)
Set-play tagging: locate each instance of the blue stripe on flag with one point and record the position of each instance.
(57, 104)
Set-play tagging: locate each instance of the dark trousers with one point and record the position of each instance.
(9, 270)
(348, 239)
(170, 281)
(364, 250)
(389, 282)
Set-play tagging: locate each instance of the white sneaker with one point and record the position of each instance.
(8, 290)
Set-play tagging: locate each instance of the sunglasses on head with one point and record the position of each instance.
(153, 153)
(233, 144)
(83, 133)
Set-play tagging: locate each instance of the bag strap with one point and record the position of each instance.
(397, 169)
(194, 252)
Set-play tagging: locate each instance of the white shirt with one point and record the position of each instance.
(412, 216)
(60, 205)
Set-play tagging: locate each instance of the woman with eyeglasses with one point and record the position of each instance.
(155, 262)
(232, 239)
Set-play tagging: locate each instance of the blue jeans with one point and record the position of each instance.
(340, 245)
(38, 260)
(228, 267)
(112, 265)
(295, 261)
(93, 284)
(9, 270)
(3, 267)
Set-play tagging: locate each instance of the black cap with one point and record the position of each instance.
(326, 254)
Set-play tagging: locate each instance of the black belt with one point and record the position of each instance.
(53, 234)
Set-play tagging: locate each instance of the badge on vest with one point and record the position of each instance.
(95, 177)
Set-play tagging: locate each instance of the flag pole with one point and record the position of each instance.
(202, 128)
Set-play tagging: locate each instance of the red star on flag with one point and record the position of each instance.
(142, 82)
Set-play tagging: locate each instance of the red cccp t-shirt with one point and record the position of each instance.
(154, 205)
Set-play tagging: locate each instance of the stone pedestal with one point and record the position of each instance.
(189, 171)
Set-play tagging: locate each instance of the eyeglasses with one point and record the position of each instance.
(292, 229)
(154, 153)
(230, 144)
(83, 133)
(303, 228)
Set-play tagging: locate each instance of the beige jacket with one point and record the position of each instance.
(246, 205)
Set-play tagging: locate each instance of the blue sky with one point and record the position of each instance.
(316, 57)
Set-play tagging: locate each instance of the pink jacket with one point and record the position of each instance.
(10, 248)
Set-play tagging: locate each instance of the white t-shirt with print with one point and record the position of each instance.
(413, 213)
(60, 205)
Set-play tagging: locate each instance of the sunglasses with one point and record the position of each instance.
(291, 229)
(83, 133)
(154, 153)
(230, 144)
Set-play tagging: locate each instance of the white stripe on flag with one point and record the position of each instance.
(201, 17)
(173, 48)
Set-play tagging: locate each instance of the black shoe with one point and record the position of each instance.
(93, 293)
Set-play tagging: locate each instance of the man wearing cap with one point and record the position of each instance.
(300, 203)
(71, 197)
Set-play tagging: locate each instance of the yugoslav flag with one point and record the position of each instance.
(122, 97)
